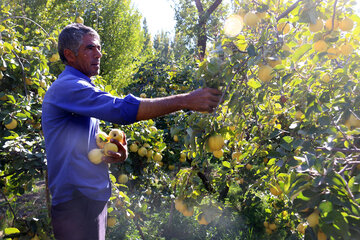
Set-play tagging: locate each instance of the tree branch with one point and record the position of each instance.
(289, 10)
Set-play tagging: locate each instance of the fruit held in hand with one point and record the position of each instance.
(116, 134)
(110, 147)
(101, 139)
(95, 155)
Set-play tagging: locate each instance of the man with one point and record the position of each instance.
(71, 109)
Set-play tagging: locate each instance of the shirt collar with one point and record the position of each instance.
(76, 72)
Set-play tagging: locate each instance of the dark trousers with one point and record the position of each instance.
(79, 219)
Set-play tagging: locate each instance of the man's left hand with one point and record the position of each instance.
(120, 156)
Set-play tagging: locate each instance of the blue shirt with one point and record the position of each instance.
(70, 113)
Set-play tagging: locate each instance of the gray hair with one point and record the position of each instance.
(71, 38)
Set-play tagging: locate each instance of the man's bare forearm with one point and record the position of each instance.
(205, 99)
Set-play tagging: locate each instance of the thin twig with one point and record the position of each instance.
(26, 18)
(23, 73)
(7, 201)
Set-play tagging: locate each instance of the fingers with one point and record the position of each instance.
(120, 155)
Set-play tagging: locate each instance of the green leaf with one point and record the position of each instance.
(326, 207)
(226, 164)
(300, 52)
(9, 231)
(251, 51)
(254, 84)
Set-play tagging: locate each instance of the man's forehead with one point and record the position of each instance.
(91, 39)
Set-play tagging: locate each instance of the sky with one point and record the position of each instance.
(158, 13)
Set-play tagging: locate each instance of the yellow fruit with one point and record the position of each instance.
(301, 228)
(218, 153)
(272, 226)
(111, 221)
(143, 95)
(346, 49)
(321, 235)
(286, 48)
(42, 83)
(346, 24)
(352, 121)
(235, 155)
(176, 138)
(202, 220)
(1, 75)
(134, 147)
(268, 231)
(55, 57)
(35, 237)
(110, 147)
(153, 129)
(215, 142)
(265, 73)
(283, 28)
(275, 190)
(320, 46)
(11, 125)
(179, 205)
(79, 19)
(261, 15)
(146, 145)
(326, 78)
(233, 25)
(157, 157)
(329, 24)
(266, 224)
(116, 134)
(28, 81)
(274, 63)
(142, 152)
(149, 153)
(101, 139)
(316, 27)
(95, 155)
(4, 98)
(148, 191)
(241, 12)
(183, 155)
(251, 19)
(188, 212)
(248, 166)
(171, 167)
(123, 178)
(299, 115)
(313, 219)
(333, 53)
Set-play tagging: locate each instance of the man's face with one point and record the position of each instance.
(87, 60)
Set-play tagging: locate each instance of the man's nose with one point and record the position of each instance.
(98, 53)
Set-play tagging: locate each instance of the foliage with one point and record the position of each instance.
(290, 140)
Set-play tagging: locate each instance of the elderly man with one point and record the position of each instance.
(71, 109)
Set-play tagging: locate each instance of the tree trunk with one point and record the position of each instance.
(201, 26)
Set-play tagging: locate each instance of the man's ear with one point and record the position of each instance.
(69, 55)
